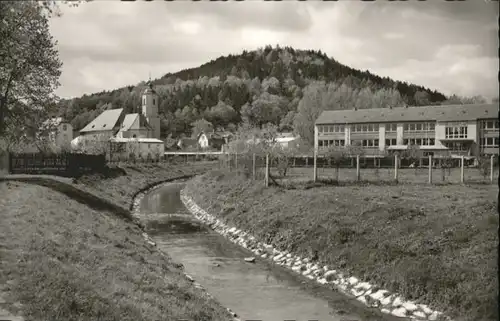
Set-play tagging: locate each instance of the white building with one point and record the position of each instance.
(459, 130)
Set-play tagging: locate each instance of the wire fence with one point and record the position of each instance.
(296, 169)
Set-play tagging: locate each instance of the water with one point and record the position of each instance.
(255, 291)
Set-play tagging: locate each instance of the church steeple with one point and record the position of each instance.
(150, 108)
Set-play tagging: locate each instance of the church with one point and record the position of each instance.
(122, 135)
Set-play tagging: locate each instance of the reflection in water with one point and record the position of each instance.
(255, 291)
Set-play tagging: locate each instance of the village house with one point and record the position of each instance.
(458, 130)
(215, 140)
(123, 135)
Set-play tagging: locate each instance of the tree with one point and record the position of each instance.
(265, 109)
(421, 98)
(30, 67)
(462, 100)
(201, 126)
(309, 109)
(413, 154)
(286, 123)
(337, 155)
(484, 165)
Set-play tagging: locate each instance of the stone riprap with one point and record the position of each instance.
(137, 214)
(364, 292)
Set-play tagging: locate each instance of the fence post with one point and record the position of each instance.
(358, 174)
(253, 166)
(430, 169)
(396, 166)
(492, 160)
(462, 165)
(9, 163)
(266, 179)
(236, 160)
(315, 169)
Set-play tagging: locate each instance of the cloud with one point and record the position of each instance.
(451, 47)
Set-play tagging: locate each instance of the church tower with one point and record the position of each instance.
(150, 109)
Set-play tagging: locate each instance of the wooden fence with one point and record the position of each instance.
(66, 164)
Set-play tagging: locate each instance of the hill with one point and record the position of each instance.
(283, 86)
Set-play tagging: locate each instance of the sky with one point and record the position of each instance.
(448, 46)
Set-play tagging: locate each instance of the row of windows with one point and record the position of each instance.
(489, 142)
(456, 132)
(375, 142)
(419, 141)
(390, 142)
(489, 124)
(456, 146)
(364, 128)
(367, 128)
(331, 129)
(391, 127)
(333, 142)
(360, 128)
(365, 142)
(418, 127)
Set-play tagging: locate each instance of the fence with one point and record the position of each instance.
(299, 168)
(64, 164)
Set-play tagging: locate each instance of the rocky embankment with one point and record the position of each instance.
(364, 292)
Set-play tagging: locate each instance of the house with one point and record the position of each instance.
(213, 140)
(115, 127)
(136, 147)
(60, 132)
(287, 140)
(459, 130)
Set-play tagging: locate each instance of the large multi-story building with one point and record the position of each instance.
(459, 130)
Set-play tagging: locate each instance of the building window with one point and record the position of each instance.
(364, 128)
(331, 129)
(369, 143)
(65, 127)
(391, 128)
(331, 142)
(456, 131)
(456, 146)
(419, 127)
(153, 101)
(390, 142)
(489, 142)
(489, 125)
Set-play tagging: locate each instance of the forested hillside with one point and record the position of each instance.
(283, 86)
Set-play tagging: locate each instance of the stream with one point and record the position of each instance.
(255, 291)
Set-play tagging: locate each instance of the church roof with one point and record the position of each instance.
(134, 119)
(105, 121)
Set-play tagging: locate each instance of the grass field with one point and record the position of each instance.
(64, 261)
(435, 244)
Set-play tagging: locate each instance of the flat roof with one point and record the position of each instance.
(402, 114)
